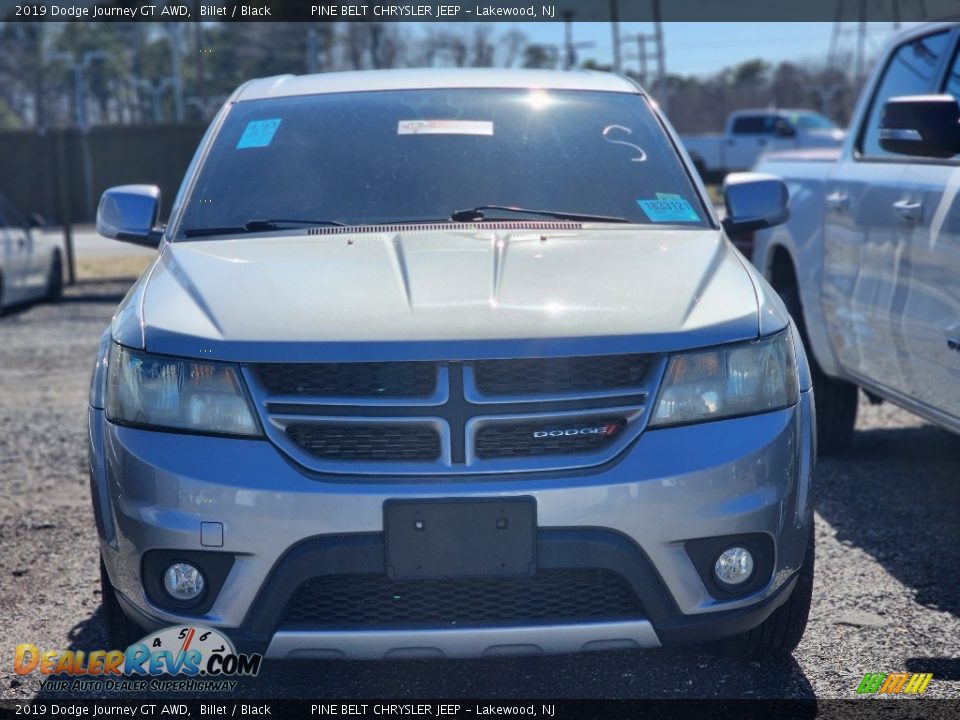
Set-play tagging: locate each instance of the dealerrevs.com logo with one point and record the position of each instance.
(203, 658)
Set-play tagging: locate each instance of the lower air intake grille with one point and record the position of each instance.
(539, 376)
(376, 600)
(505, 440)
(363, 441)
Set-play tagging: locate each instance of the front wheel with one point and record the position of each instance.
(780, 633)
(121, 630)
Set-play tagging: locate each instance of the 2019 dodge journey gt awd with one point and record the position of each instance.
(451, 363)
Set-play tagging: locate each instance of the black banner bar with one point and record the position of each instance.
(475, 11)
(162, 708)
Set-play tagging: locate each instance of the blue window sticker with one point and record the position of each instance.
(669, 208)
(259, 133)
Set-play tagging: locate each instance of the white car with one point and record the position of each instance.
(31, 267)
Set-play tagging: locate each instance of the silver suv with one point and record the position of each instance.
(451, 364)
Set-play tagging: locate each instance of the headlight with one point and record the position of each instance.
(162, 392)
(745, 379)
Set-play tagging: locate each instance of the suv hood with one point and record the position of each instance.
(441, 294)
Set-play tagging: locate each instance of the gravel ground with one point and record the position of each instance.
(886, 597)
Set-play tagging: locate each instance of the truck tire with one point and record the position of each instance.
(836, 400)
(780, 633)
(121, 630)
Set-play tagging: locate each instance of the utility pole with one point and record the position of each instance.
(173, 37)
(641, 55)
(200, 52)
(312, 51)
(859, 12)
(570, 47)
(615, 31)
(79, 67)
(663, 95)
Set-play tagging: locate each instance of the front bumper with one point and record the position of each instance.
(747, 475)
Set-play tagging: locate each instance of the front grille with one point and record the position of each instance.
(539, 376)
(375, 600)
(503, 440)
(367, 441)
(361, 379)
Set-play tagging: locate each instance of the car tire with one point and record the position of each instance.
(781, 632)
(121, 630)
(836, 400)
(55, 279)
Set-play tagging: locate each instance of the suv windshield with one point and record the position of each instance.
(422, 155)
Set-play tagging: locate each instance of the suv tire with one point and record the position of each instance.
(121, 630)
(779, 634)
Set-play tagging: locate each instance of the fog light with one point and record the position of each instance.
(734, 566)
(183, 581)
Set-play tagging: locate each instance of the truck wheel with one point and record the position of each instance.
(780, 633)
(121, 630)
(55, 279)
(836, 400)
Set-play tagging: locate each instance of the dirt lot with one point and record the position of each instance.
(887, 594)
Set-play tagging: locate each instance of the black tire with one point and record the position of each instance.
(121, 630)
(2, 307)
(836, 400)
(781, 632)
(55, 279)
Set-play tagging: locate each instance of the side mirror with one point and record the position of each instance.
(36, 220)
(921, 126)
(129, 213)
(754, 201)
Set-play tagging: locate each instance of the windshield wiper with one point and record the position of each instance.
(476, 214)
(258, 225)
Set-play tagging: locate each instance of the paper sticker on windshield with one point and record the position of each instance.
(259, 133)
(669, 208)
(445, 127)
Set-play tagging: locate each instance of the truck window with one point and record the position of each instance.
(753, 125)
(911, 71)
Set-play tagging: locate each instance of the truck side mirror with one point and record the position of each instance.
(754, 201)
(129, 213)
(921, 126)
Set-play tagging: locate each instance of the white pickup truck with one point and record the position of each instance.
(869, 263)
(749, 134)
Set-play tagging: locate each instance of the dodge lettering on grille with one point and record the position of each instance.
(605, 430)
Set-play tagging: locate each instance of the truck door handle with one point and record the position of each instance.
(909, 211)
(837, 201)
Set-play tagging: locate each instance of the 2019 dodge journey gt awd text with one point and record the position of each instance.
(451, 363)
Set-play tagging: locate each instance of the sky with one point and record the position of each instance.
(694, 48)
